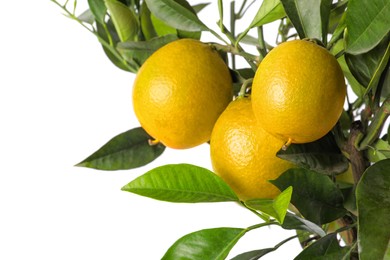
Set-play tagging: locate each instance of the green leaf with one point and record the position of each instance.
(380, 150)
(373, 202)
(141, 50)
(322, 156)
(310, 18)
(108, 30)
(385, 87)
(367, 24)
(357, 88)
(292, 221)
(124, 19)
(199, 7)
(146, 22)
(175, 15)
(315, 196)
(368, 67)
(326, 247)
(127, 150)
(87, 17)
(256, 254)
(269, 11)
(253, 255)
(276, 208)
(182, 183)
(214, 243)
(99, 9)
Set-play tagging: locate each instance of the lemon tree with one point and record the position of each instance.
(284, 129)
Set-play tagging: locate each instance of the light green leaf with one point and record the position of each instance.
(367, 23)
(182, 183)
(310, 18)
(124, 19)
(214, 243)
(87, 17)
(175, 15)
(270, 10)
(127, 150)
(373, 203)
(276, 208)
(380, 150)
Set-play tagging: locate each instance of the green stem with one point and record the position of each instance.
(233, 29)
(261, 225)
(251, 59)
(244, 87)
(262, 45)
(220, 9)
(375, 128)
(265, 218)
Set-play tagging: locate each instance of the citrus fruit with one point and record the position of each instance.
(298, 92)
(243, 154)
(180, 91)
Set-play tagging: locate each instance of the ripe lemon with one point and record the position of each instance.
(180, 91)
(244, 155)
(298, 91)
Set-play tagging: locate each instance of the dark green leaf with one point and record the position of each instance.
(385, 87)
(253, 255)
(146, 22)
(104, 31)
(292, 221)
(357, 88)
(367, 68)
(339, 29)
(315, 196)
(310, 18)
(141, 50)
(99, 9)
(175, 15)
(373, 202)
(322, 156)
(214, 243)
(326, 248)
(182, 183)
(124, 19)
(256, 254)
(128, 150)
(269, 11)
(276, 208)
(367, 24)
(337, 16)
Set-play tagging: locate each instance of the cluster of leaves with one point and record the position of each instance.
(357, 33)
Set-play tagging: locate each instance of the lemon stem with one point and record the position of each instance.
(244, 86)
(153, 142)
(287, 144)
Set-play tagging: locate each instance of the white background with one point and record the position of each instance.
(60, 100)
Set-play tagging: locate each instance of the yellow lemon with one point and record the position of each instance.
(244, 155)
(180, 91)
(298, 91)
